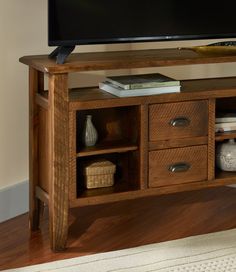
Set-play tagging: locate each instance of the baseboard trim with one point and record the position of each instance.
(14, 200)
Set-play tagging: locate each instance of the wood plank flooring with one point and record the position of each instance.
(116, 226)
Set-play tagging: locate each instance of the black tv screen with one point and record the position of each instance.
(73, 22)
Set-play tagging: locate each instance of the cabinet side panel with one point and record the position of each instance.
(43, 150)
(72, 155)
(34, 203)
(143, 146)
(59, 160)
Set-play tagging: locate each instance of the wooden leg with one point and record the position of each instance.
(34, 220)
(59, 160)
(34, 213)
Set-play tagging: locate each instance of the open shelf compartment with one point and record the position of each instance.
(225, 105)
(118, 130)
(118, 142)
(126, 177)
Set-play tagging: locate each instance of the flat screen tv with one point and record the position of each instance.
(80, 22)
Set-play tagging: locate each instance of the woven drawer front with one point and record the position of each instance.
(177, 165)
(178, 120)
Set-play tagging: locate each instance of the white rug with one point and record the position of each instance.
(214, 252)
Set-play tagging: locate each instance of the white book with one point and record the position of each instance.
(129, 82)
(226, 117)
(118, 91)
(225, 125)
(225, 129)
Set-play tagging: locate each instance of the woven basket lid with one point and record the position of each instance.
(101, 165)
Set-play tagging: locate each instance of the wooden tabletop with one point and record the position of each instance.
(123, 59)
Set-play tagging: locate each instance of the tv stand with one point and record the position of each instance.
(153, 157)
(61, 53)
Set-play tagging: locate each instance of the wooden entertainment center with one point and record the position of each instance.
(161, 144)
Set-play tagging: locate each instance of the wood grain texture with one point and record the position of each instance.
(58, 116)
(161, 116)
(34, 203)
(160, 162)
(72, 155)
(112, 124)
(44, 152)
(127, 177)
(171, 143)
(93, 97)
(211, 140)
(120, 186)
(59, 160)
(107, 148)
(123, 59)
(143, 139)
(225, 136)
(116, 226)
(41, 101)
(130, 193)
(41, 87)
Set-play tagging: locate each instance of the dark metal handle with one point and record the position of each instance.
(179, 167)
(180, 122)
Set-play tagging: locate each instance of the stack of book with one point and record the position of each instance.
(225, 122)
(140, 85)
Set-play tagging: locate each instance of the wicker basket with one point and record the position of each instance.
(99, 174)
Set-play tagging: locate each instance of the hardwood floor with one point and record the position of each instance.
(121, 225)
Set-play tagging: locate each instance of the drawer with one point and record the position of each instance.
(178, 120)
(177, 165)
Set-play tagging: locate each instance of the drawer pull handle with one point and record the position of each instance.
(180, 122)
(179, 167)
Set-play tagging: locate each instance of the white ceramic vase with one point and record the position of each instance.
(90, 134)
(226, 156)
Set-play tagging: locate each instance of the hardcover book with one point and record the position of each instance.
(226, 117)
(225, 129)
(130, 82)
(227, 126)
(118, 91)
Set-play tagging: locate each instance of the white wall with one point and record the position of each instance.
(189, 71)
(23, 31)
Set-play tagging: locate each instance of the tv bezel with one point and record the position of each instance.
(66, 47)
(137, 39)
(52, 42)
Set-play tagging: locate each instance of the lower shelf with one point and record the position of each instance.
(107, 148)
(109, 195)
(118, 187)
(225, 136)
(223, 175)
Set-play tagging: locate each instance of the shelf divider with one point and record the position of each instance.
(225, 135)
(107, 148)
